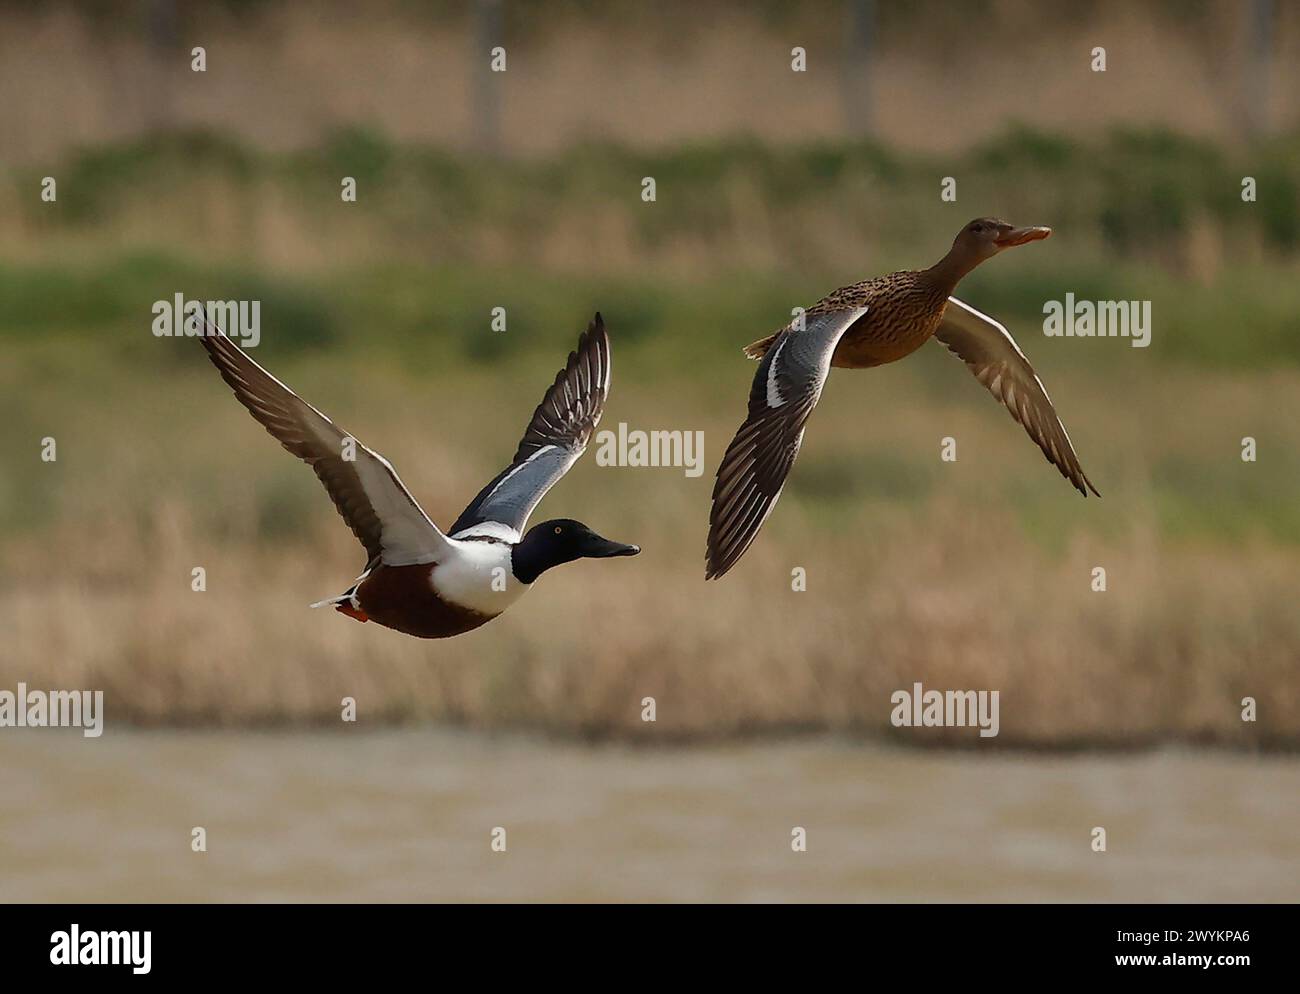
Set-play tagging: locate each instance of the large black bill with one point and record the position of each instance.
(603, 548)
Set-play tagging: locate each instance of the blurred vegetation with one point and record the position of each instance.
(1137, 188)
(1146, 215)
(973, 573)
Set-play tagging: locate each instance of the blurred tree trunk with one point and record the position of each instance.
(855, 70)
(487, 84)
(1259, 66)
(167, 60)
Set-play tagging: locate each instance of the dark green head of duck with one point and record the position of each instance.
(558, 541)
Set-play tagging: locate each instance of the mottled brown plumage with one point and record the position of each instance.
(858, 326)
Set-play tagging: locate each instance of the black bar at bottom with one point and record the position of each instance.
(1226, 944)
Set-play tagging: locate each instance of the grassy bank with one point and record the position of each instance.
(435, 241)
(724, 204)
(1136, 188)
(974, 574)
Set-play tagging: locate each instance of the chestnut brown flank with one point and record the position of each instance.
(401, 597)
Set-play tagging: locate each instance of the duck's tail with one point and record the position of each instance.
(346, 602)
(756, 350)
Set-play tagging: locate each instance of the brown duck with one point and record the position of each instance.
(869, 324)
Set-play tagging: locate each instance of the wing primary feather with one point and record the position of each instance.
(998, 363)
(752, 474)
(556, 436)
(366, 491)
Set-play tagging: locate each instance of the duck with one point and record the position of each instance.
(419, 580)
(859, 326)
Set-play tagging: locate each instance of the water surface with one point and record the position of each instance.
(408, 816)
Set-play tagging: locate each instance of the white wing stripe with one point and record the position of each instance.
(774, 398)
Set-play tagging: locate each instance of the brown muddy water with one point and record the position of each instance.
(408, 816)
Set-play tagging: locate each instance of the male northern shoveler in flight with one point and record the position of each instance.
(418, 580)
(869, 324)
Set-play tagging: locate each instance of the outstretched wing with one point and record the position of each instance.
(557, 435)
(363, 484)
(786, 388)
(997, 362)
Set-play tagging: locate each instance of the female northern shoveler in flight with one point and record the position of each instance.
(418, 580)
(869, 324)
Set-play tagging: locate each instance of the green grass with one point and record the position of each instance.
(1245, 320)
(740, 233)
(1136, 187)
(1134, 191)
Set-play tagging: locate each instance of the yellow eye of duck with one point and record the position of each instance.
(558, 529)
